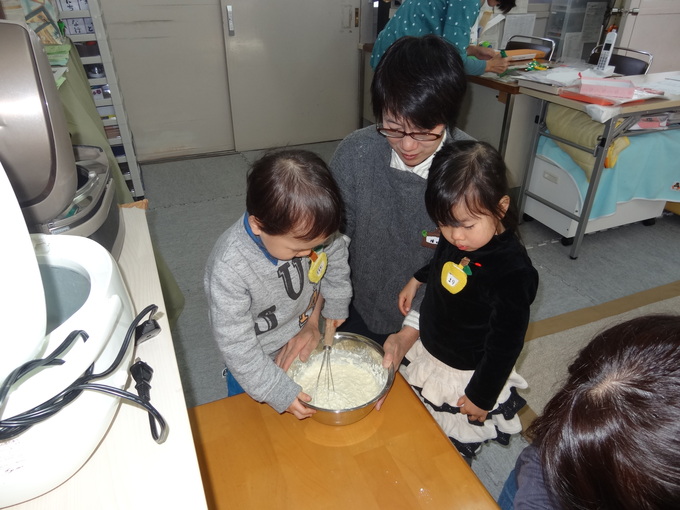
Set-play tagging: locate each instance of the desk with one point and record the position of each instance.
(398, 457)
(628, 115)
(494, 111)
(129, 470)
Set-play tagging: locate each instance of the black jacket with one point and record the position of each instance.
(482, 327)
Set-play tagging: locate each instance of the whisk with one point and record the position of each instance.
(325, 377)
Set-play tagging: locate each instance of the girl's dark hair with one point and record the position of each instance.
(292, 191)
(420, 80)
(610, 438)
(506, 5)
(471, 173)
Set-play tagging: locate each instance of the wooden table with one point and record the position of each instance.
(398, 457)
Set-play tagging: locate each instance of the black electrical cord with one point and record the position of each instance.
(142, 373)
(15, 425)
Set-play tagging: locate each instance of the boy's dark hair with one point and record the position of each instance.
(610, 438)
(506, 5)
(471, 173)
(291, 191)
(420, 80)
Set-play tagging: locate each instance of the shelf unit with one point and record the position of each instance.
(566, 25)
(84, 23)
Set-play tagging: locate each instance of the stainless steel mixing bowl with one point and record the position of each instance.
(371, 352)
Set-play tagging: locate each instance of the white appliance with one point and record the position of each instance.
(61, 189)
(53, 286)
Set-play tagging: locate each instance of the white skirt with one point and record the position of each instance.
(442, 385)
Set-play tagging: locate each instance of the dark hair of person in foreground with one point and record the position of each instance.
(610, 438)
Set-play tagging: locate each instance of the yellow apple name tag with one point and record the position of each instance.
(454, 277)
(318, 267)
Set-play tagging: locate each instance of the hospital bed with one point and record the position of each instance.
(575, 195)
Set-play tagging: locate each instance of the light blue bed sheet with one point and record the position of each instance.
(648, 168)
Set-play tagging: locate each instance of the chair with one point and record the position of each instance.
(520, 42)
(623, 64)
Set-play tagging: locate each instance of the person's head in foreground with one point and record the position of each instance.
(610, 438)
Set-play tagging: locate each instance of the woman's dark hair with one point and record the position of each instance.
(471, 173)
(292, 191)
(610, 438)
(420, 80)
(506, 5)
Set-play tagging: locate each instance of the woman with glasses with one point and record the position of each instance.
(382, 173)
(450, 19)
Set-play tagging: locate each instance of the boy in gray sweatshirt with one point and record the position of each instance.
(271, 272)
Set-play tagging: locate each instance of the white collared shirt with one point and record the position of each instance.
(422, 169)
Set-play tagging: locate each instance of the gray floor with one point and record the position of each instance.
(192, 202)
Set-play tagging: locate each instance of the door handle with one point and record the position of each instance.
(230, 20)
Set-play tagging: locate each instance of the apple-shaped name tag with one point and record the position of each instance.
(318, 267)
(454, 276)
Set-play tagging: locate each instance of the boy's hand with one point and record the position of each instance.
(473, 412)
(301, 344)
(298, 409)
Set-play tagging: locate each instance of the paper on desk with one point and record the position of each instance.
(565, 76)
(670, 86)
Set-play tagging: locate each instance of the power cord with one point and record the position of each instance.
(15, 425)
(142, 374)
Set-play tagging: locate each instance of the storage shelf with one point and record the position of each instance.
(84, 13)
(93, 20)
(82, 37)
(91, 60)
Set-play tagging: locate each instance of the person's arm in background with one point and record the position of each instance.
(490, 58)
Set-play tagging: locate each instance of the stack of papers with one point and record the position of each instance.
(57, 54)
(563, 76)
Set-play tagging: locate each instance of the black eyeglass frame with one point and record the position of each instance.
(428, 137)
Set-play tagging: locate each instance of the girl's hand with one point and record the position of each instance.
(406, 295)
(298, 409)
(473, 412)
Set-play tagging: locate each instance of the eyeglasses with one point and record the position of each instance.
(420, 137)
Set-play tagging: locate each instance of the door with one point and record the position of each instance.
(293, 70)
(652, 26)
